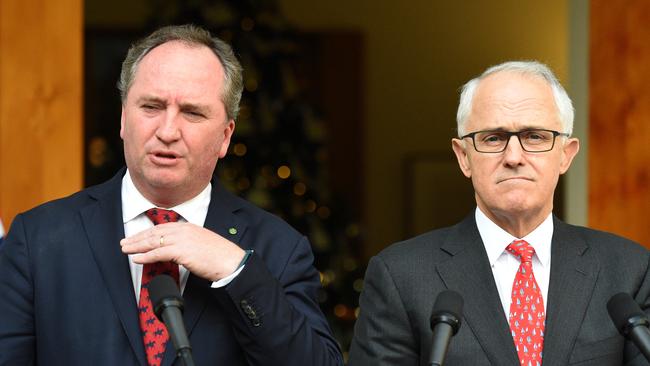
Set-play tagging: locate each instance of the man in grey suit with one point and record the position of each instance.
(535, 288)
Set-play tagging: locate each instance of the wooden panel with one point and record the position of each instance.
(619, 132)
(40, 102)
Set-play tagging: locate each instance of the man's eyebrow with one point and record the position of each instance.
(195, 107)
(524, 128)
(151, 99)
(185, 106)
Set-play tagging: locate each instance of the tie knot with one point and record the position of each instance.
(161, 216)
(521, 249)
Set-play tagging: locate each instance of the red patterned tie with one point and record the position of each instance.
(527, 314)
(154, 332)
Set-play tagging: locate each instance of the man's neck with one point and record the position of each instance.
(164, 197)
(516, 224)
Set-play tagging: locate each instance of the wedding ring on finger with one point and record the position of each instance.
(162, 240)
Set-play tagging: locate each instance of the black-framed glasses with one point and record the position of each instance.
(531, 140)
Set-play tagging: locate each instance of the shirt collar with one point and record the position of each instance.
(194, 211)
(495, 239)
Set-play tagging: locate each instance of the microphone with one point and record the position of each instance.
(630, 321)
(168, 306)
(445, 321)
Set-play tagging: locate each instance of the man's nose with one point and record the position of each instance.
(168, 130)
(513, 155)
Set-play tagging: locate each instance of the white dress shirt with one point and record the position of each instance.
(134, 205)
(505, 265)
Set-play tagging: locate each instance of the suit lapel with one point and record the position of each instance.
(468, 272)
(103, 224)
(222, 220)
(221, 216)
(573, 277)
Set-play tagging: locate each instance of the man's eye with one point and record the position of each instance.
(149, 107)
(194, 114)
(535, 136)
(494, 137)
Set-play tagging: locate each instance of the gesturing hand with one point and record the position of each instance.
(203, 252)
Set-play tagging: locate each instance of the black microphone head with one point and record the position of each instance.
(164, 292)
(448, 308)
(625, 312)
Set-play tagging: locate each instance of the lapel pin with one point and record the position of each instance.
(232, 231)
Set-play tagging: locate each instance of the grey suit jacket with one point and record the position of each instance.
(587, 268)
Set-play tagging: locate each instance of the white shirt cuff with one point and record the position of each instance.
(226, 280)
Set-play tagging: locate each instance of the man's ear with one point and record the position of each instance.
(569, 151)
(461, 155)
(122, 118)
(229, 129)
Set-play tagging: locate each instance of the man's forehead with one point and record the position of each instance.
(181, 58)
(513, 87)
(513, 104)
(188, 97)
(176, 70)
(510, 100)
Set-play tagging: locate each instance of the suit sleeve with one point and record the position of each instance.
(382, 334)
(278, 321)
(17, 338)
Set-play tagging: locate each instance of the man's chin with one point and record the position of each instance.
(514, 204)
(165, 180)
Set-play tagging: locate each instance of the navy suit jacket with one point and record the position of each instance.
(587, 268)
(66, 294)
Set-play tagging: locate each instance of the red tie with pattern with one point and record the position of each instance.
(154, 332)
(527, 314)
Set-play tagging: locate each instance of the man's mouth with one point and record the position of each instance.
(164, 157)
(513, 179)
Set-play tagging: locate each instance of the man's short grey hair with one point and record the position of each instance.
(192, 35)
(531, 68)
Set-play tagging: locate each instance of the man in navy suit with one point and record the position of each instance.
(72, 270)
(535, 288)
